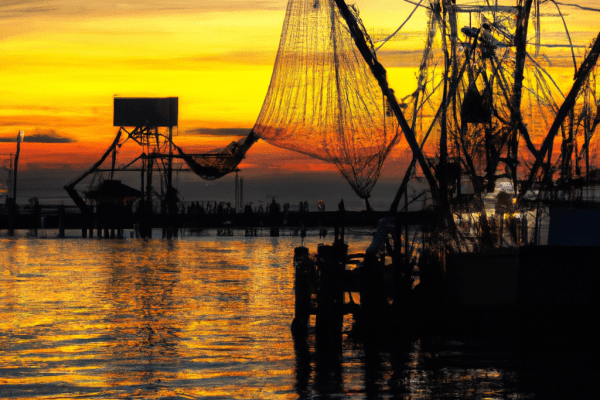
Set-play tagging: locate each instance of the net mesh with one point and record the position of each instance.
(220, 162)
(323, 101)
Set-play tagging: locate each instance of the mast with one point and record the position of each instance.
(441, 172)
(380, 74)
(516, 117)
(581, 76)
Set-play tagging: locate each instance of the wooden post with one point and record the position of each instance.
(372, 295)
(302, 288)
(61, 221)
(146, 223)
(330, 303)
(12, 207)
(330, 296)
(37, 218)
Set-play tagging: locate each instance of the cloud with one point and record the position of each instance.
(401, 58)
(40, 136)
(20, 8)
(206, 5)
(248, 58)
(22, 4)
(24, 8)
(219, 131)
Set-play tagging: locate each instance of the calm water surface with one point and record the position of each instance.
(206, 317)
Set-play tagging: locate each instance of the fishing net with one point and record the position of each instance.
(479, 41)
(323, 100)
(219, 162)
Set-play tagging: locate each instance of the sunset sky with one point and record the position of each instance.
(64, 60)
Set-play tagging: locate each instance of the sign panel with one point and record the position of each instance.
(145, 111)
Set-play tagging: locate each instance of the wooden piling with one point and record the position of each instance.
(302, 287)
(330, 294)
(38, 218)
(11, 206)
(373, 299)
(61, 221)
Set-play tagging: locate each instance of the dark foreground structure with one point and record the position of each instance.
(37, 216)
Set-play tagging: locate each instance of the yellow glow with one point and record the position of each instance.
(63, 66)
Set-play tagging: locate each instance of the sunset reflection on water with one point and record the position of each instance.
(201, 317)
(192, 317)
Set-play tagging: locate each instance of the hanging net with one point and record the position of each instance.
(220, 162)
(323, 100)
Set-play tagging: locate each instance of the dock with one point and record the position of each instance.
(292, 223)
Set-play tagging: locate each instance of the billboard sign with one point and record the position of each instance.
(145, 111)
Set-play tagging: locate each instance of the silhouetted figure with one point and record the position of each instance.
(321, 205)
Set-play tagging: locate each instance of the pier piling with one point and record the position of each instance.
(302, 285)
(330, 294)
(61, 221)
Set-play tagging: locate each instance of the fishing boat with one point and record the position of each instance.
(483, 100)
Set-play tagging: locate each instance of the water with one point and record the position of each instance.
(206, 317)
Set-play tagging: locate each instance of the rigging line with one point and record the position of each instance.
(417, 4)
(578, 6)
(384, 41)
(540, 68)
(568, 35)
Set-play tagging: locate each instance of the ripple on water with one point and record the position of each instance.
(204, 318)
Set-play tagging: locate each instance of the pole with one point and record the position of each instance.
(237, 193)
(19, 139)
(170, 165)
(242, 194)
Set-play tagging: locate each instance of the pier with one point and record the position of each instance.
(292, 223)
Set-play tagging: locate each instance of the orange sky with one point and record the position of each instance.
(64, 60)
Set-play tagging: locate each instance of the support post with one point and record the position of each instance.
(61, 221)
(330, 297)
(19, 139)
(12, 210)
(302, 288)
(330, 300)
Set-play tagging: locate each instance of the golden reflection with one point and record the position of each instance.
(194, 318)
(146, 318)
